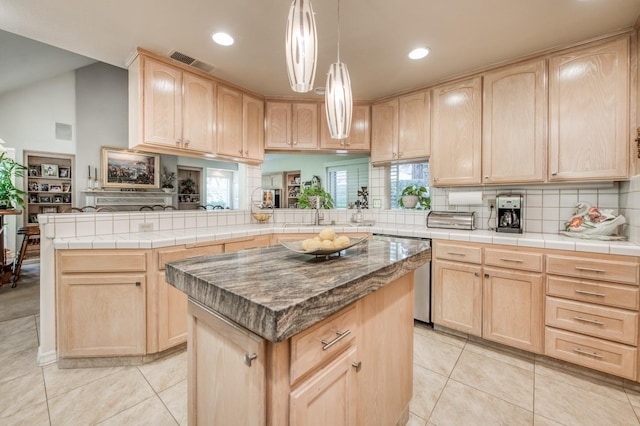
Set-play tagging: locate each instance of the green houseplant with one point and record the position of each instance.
(10, 196)
(415, 196)
(313, 191)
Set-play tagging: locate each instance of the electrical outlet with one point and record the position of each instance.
(492, 203)
(145, 227)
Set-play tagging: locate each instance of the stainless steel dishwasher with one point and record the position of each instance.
(421, 281)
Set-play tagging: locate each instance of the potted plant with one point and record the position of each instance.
(415, 196)
(167, 179)
(10, 196)
(304, 202)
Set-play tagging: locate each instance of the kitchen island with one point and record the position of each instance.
(277, 337)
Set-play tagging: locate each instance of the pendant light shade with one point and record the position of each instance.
(302, 46)
(338, 101)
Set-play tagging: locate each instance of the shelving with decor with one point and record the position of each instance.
(189, 183)
(48, 183)
(292, 182)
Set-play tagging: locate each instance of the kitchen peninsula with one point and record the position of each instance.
(277, 337)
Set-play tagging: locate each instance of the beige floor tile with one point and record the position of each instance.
(33, 415)
(166, 372)
(415, 420)
(19, 364)
(570, 405)
(463, 405)
(543, 421)
(581, 381)
(633, 397)
(175, 398)
(150, 412)
(428, 331)
(435, 355)
(15, 326)
(101, 399)
(427, 388)
(497, 378)
(513, 357)
(62, 380)
(21, 392)
(14, 343)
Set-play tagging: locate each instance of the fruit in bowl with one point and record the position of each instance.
(326, 240)
(261, 217)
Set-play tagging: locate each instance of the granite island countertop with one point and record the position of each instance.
(277, 293)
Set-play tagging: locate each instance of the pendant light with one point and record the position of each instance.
(301, 46)
(337, 96)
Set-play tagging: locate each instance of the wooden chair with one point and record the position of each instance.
(169, 208)
(31, 237)
(105, 209)
(151, 208)
(73, 210)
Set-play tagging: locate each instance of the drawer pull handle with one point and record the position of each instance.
(506, 259)
(582, 268)
(357, 366)
(138, 283)
(590, 293)
(341, 335)
(456, 253)
(593, 354)
(591, 321)
(249, 358)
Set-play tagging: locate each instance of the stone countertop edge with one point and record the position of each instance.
(258, 307)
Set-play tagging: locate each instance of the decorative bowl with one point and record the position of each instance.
(296, 246)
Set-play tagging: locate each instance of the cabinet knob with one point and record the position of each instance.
(246, 152)
(486, 275)
(393, 154)
(249, 358)
(554, 173)
(357, 366)
(400, 154)
(178, 141)
(186, 141)
(486, 177)
(138, 283)
(295, 142)
(476, 274)
(240, 151)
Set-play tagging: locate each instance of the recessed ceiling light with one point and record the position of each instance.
(419, 53)
(222, 39)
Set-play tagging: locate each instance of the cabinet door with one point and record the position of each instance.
(589, 112)
(101, 315)
(359, 136)
(253, 127)
(198, 114)
(513, 306)
(172, 315)
(328, 397)
(162, 104)
(305, 126)
(259, 241)
(278, 125)
(457, 296)
(514, 117)
(456, 135)
(225, 363)
(229, 123)
(384, 131)
(414, 139)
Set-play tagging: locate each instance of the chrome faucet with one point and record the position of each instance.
(315, 201)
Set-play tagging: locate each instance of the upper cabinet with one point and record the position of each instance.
(513, 118)
(359, 136)
(589, 112)
(401, 128)
(177, 108)
(291, 126)
(253, 127)
(229, 122)
(456, 135)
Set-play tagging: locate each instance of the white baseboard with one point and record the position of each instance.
(47, 358)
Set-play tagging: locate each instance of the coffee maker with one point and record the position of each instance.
(510, 213)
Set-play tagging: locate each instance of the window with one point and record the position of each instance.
(403, 175)
(345, 181)
(220, 185)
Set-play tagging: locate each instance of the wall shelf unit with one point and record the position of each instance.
(292, 185)
(189, 185)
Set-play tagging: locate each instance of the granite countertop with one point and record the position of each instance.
(277, 293)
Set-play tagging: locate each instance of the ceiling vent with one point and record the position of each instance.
(186, 59)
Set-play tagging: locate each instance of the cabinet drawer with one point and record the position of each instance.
(77, 261)
(176, 254)
(609, 357)
(608, 323)
(596, 269)
(458, 252)
(316, 345)
(620, 296)
(513, 259)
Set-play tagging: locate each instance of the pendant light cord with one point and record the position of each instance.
(338, 30)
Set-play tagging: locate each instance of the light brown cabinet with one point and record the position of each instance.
(456, 133)
(240, 125)
(514, 118)
(589, 112)
(291, 125)
(359, 137)
(177, 108)
(253, 128)
(401, 128)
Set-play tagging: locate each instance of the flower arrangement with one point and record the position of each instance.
(167, 179)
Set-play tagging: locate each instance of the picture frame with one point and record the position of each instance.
(33, 198)
(64, 172)
(33, 218)
(34, 171)
(43, 187)
(44, 199)
(125, 168)
(50, 209)
(55, 188)
(66, 187)
(34, 186)
(57, 198)
(66, 198)
(49, 170)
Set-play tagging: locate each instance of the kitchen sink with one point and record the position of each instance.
(302, 225)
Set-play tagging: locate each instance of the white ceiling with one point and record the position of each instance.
(376, 35)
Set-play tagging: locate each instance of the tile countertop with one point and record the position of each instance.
(155, 239)
(276, 293)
